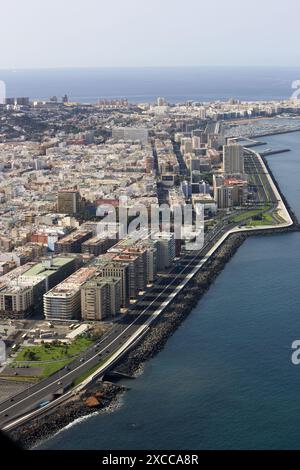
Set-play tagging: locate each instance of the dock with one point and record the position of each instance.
(269, 152)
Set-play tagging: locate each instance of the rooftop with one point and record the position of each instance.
(43, 270)
(72, 284)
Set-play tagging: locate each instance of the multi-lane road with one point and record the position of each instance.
(139, 317)
(142, 313)
(259, 178)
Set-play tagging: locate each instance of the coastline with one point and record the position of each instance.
(131, 365)
(28, 435)
(98, 395)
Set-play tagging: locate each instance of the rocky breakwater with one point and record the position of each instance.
(184, 303)
(97, 396)
(100, 395)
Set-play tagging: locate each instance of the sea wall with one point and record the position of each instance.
(172, 317)
(29, 434)
(101, 395)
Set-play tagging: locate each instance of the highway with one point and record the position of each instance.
(141, 314)
(126, 326)
(258, 177)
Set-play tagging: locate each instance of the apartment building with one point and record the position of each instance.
(165, 249)
(63, 302)
(20, 294)
(100, 298)
(108, 267)
(73, 242)
(99, 244)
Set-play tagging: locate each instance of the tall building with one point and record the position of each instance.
(224, 197)
(107, 267)
(68, 202)
(161, 101)
(151, 258)
(229, 192)
(132, 261)
(100, 298)
(165, 249)
(146, 250)
(63, 302)
(186, 145)
(196, 142)
(20, 294)
(233, 159)
(20, 101)
(141, 254)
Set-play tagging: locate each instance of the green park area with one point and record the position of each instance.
(269, 218)
(45, 359)
(53, 351)
(258, 217)
(246, 215)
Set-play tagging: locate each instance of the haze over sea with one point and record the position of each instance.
(145, 84)
(225, 378)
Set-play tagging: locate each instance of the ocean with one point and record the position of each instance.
(176, 84)
(225, 379)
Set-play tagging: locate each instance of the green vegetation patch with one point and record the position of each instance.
(266, 219)
(51, 357)
(53, 351)
(245, 215)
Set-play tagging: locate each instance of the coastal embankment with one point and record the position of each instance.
(100, 394)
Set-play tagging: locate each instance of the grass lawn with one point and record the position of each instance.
(51, 352)
(60, 355)
(251, 213)
(269, 218)
(50, 369)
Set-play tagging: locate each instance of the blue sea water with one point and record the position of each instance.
(225, 378)
(145, 84)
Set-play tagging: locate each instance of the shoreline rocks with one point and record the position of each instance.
(101, 395)
(98, 396)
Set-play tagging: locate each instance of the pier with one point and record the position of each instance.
(268, 152)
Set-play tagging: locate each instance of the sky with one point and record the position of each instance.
(132, 33)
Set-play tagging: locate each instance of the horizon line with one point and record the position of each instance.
(97, 67)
